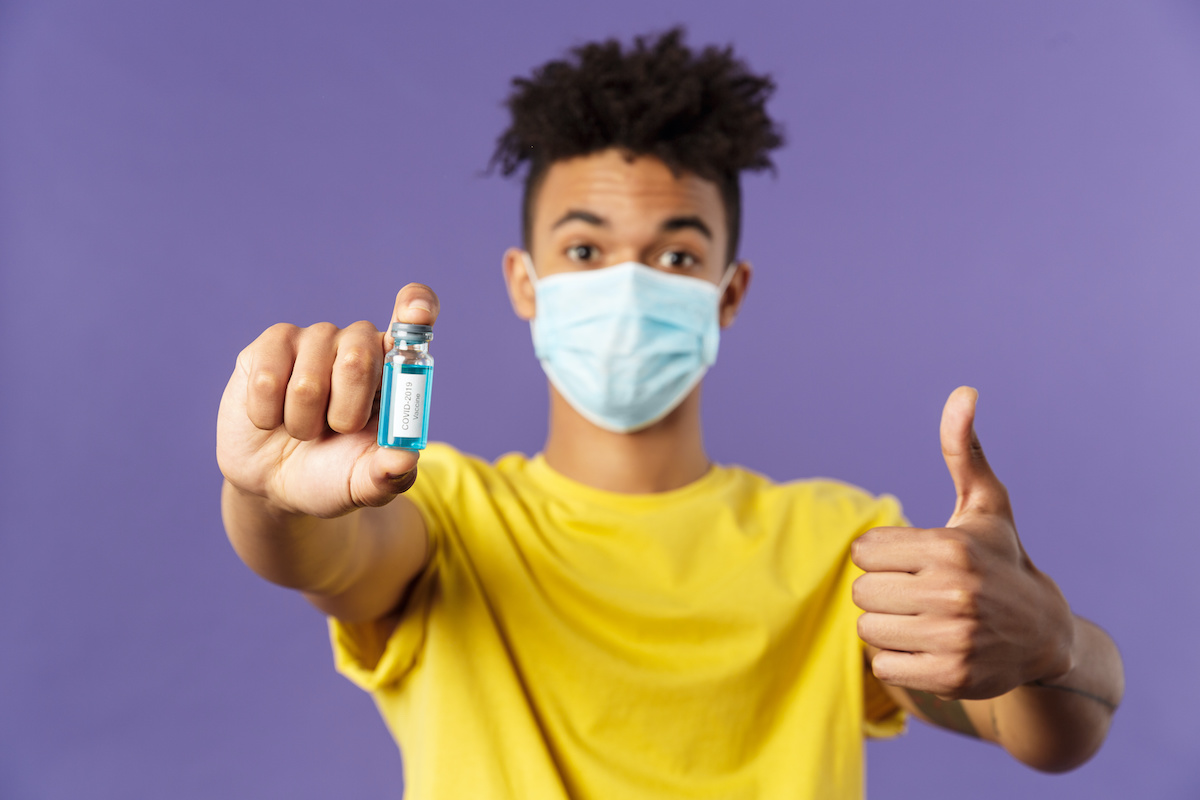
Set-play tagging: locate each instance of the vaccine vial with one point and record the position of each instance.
(407, 381)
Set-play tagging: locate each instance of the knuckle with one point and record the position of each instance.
(269, 341)
(324, 330)
(956, 680)
(947, 537)
(356, 365)
(956, 552)
(362, 326)
(306, 389)
(266, 383)
(961, 679)
(280, 330)
(960, 635)
(963, 600)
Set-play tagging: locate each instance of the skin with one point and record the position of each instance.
(603, 210)
(958, 622)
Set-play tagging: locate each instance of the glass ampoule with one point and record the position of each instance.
(407, 382)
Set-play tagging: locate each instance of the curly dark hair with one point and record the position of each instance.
(702, 113)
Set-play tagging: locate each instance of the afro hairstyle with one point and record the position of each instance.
(698, 112)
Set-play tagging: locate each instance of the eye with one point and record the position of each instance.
(582, 253)
(677, 259)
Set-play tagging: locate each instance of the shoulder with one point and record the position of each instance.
(823, 501)
(447, 463)
(441, 456)
(446, 475)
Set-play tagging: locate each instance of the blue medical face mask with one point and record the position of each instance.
(624, 345)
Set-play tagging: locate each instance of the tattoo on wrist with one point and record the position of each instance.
(948, 714)
(1111, 706)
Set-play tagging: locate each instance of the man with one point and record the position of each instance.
(618, 617)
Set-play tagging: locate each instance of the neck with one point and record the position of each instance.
(667, 455)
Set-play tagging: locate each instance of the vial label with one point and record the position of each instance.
(408, 405)
(404, 405)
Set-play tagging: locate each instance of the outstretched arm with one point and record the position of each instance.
(968, 634)
(310, 500)
(1051, 725)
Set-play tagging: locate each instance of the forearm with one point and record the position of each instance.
(1057, 724)
(355, 567)
(290, 549)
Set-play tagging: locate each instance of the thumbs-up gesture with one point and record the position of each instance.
(960, 611)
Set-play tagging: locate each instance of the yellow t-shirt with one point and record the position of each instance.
(566, 642)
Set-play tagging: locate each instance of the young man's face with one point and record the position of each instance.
(604, 209)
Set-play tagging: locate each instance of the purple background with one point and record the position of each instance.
(1002, 194)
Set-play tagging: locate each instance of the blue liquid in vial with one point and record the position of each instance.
(404, 407)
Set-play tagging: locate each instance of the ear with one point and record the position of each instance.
(520, 289)
(735, 293)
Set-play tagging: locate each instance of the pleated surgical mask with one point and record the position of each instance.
(624, 345)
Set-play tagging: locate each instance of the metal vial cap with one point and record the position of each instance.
(407, 332)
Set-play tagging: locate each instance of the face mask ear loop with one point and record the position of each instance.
(730, 271)
(533, 279)
(726, 279)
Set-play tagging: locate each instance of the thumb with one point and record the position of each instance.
(976, 487)
(416, 304)
(383, 474)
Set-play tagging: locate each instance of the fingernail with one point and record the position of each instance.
(403, 481)
(421, 304)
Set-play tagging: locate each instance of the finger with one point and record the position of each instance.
(389, 472)
(888, 593)
(975, 485)
(946, 676)
(909, 633)
(270, 368)
(308, 389)
(416, 304)
(357, 371)
(910, 670)
(891, 550)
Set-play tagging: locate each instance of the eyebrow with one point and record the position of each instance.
(694, 222)
(672, 224)
(582, 216)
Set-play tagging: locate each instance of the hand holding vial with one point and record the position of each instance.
(407, 385)
(297, 423)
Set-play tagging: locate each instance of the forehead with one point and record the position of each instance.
(626, 190)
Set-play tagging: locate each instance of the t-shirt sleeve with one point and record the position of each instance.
(377, 654)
